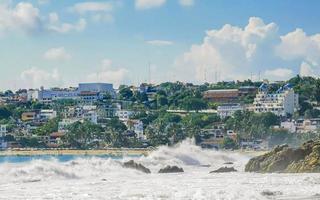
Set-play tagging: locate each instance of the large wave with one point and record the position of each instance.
(186, 155)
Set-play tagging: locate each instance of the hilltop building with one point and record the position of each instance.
(283, 102)
(222, 96)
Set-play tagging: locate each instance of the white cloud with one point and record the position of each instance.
(235, 53)
(57, 54)
(109, 73)
(230, 52)
(297, 45)
(279, 74)
(35, 78)
(147, 4)
(58, 27)
(23, 17)
(85, 7)
(186, 2)
(306, 69)
(159, 42)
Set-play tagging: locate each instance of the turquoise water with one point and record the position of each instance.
(60, 158)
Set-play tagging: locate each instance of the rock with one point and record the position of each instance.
(133, 165)
(224, 170)
(228, 163)
(171, 169)
(288, 160)
(270, 193)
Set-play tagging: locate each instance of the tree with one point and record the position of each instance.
(81, 135)
(192, 103)
(4, 113)
(229, 143)
(126, 93)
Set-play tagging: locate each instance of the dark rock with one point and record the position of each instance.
(270, 193)
(285, 159)
(133, 165)
(171, 169)
(224, 170)
(228, 163)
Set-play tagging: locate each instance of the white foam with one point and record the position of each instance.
(101, 178)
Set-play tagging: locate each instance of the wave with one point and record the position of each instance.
(186, 155)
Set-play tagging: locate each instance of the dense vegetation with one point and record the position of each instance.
(162, 127)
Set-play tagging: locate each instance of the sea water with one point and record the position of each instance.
(103, 177)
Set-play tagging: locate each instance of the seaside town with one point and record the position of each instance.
(223, 115)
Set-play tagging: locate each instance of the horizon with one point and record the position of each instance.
(59, 44)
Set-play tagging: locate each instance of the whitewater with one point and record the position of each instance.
(105, 178)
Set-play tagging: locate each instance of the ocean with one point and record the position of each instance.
(103, 177)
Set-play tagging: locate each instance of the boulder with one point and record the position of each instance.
(228, 163)
(133, 165)
(224, 170)
(288, 160)
(171, 169)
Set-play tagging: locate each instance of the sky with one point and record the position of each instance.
(61, 43)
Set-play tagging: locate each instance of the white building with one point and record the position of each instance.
(47, 114)
(281, 103)
(227, 110)
(3, 130)
(124, 115)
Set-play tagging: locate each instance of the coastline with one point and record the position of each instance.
(100, 152)
(92, 152)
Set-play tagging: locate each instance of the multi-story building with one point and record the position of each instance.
(47, 96)
(281, 103)
(227, 110)
(222, 96)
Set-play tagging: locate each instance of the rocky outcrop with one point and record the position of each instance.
(288, 160)
(224, 170)
(171, 169)
(133, 165)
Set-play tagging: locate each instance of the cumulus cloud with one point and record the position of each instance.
(147, 4)
(35, 78)
(55, 25)
(235, 53)
(57, 54)
(186, 2)
(160, 42)
(109, 73)
(23, 17)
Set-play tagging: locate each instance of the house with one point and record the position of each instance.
(227, 110)
(47, 114)
(281, 103)
(222, 96)
(124, 115)
(28, 116)
(137, 127)
(211, 138)
(3, 130)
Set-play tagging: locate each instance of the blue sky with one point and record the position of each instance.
(61, 43)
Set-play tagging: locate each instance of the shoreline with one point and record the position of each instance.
(93, 152)
(99, 152)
